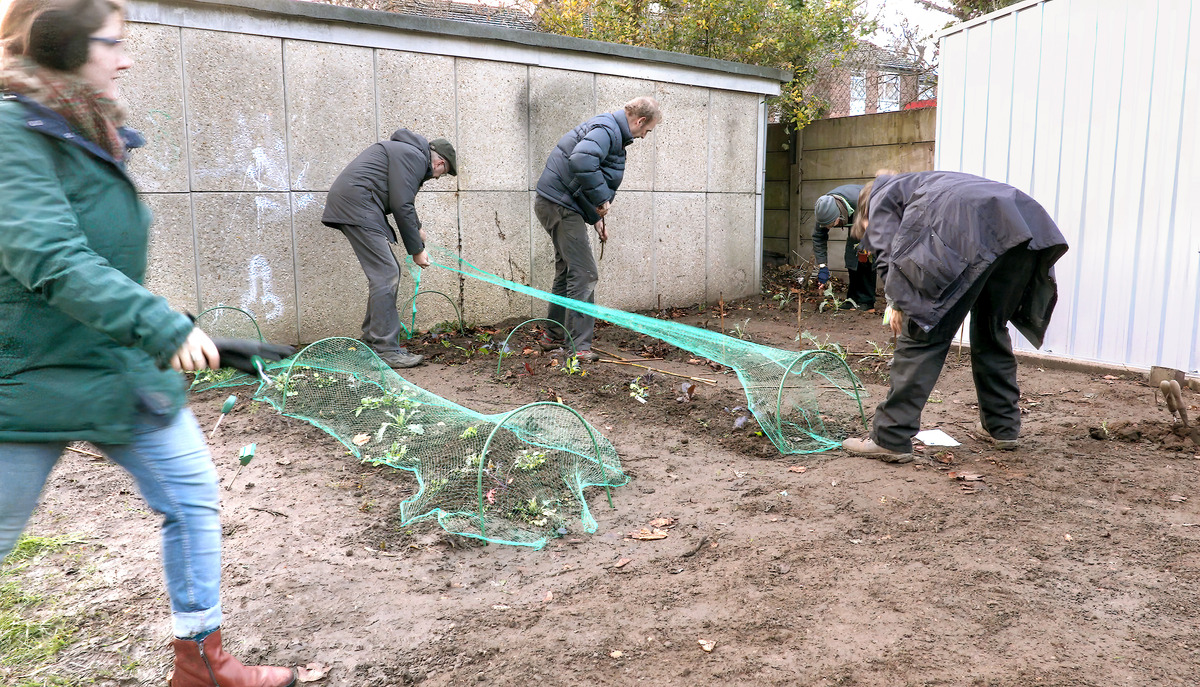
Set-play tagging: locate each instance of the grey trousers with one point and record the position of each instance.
(991, 301)
(575, 271)
(381, 325)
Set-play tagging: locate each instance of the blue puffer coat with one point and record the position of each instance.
(83, 345)
(585, 168)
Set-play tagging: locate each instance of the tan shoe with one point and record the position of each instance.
(1001, 444)
(868, 448)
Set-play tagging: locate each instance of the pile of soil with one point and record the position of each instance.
(1074, 560)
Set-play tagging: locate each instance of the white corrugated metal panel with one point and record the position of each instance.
(1092, 107)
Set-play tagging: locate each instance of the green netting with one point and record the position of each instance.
(228, 322)
(805, 401)
(511, 478)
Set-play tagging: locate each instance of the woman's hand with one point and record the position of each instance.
(197, 353)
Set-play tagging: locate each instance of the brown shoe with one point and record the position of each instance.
(205, 664)
(545, 343)
(868, 448)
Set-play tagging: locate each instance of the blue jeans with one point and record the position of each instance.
(170, 462)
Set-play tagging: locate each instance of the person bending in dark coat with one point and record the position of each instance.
(576, 189)
(947, 244)
(836, 209)
(382, 180)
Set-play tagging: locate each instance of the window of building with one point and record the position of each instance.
(889, 92)
(858, 93)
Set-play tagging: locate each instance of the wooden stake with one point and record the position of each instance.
(654, 369)
(86, 453)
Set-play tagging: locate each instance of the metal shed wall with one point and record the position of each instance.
(1092, 107)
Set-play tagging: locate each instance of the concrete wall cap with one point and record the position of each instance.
(448, 27)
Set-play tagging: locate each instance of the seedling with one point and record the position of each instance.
(824, 345)
(225, 408)
(572, 367)
(739, 330)
(244, 458)
(637, 391)
(832, 301)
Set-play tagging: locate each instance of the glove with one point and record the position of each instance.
(822, 275)
(237, 353)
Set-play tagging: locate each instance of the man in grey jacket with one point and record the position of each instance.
(947, 244)
(576, 189)
(384, 179)
(837, 209)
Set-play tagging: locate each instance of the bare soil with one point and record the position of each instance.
(1074, 560)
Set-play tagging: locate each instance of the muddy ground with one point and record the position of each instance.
(1074, 560)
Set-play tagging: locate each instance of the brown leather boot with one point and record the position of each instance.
(205, 664)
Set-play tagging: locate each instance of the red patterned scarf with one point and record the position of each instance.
(94, 117)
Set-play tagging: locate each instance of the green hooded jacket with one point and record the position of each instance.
(84, 347)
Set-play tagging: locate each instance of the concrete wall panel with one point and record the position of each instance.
(327, 129)
(332, 288)
(245, 248)
(558, 102)
(612, 92)
(495, 237)
(439, 218)
(153, 93)
(171, 267)
(416, 92)
(681, 150)
(493, 124)
(627, 270)
(730, 251)
(234, 86)
(679, 247)
(733, 142)
(541, 268)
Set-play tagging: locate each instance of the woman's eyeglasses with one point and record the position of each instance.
(110, 42)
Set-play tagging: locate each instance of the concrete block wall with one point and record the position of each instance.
(252, 109)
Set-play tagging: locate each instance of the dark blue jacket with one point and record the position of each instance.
(383, 179)
(585, 168)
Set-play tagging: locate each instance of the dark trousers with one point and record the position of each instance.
(860, 278)
(381, 326)
(575, 271)
(991, 301)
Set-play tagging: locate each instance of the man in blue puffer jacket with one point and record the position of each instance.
(576, 188)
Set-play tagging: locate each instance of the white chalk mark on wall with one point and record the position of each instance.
(261, 291)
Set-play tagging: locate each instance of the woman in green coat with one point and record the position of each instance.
(85, 351)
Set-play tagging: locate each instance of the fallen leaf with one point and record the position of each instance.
(549, 597)
(1109, 377)
(623, 562)
(965, 476)
(646, 534)
(360, 439)
(664, 523)
(1067, 537)
(694, 361)
(1178, 498)
(707, 645)
(284, 461)
(526, 351)
(616, 654)
(312, 672)
(797, 468)
(500, 607)
(944, 457)
(687, 392)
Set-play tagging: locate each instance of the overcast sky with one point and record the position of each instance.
(891, 12)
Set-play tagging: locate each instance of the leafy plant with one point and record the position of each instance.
(823, 345)
(529, 459)
(572, 366)
(637, 391)
(739, 330)
(784, 298)
(832, 301)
